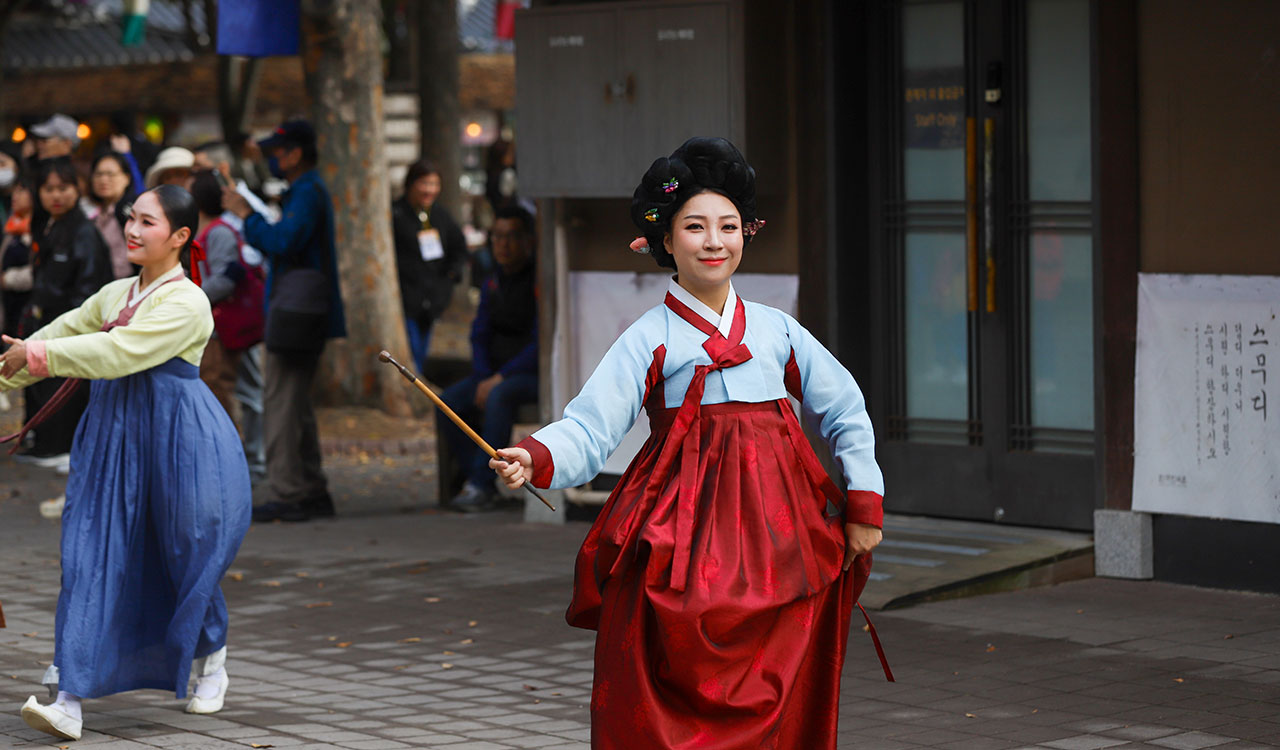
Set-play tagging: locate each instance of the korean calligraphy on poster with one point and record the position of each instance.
(1206, 441)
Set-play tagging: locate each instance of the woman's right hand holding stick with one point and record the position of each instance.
(514, 466)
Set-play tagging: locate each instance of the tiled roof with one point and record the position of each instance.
(93, 39)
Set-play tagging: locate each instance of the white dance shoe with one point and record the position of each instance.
(210, 692)
(51, 720)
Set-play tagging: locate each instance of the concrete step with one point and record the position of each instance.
(926, 559)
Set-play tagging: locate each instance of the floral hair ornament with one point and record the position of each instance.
(651, 215)
(670, 186)
(640, 245)
(753, 226)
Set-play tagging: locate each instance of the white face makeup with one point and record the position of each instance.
(147, 234)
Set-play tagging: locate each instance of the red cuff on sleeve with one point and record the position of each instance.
(37, 359)
(864, 506)
(543, 467)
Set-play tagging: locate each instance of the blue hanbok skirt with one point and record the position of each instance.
(158, 501)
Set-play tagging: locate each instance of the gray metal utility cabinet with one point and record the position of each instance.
(604, 88)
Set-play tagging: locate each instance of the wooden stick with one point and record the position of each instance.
(385, 356)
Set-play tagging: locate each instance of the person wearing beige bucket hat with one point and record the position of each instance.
(172, 166)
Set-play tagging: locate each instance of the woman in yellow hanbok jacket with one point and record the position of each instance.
(158, 497)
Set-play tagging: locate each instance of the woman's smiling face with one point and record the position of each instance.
(706, 241)
(147, 233)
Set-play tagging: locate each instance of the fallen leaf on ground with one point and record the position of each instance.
(1178, 679)
(431, 599)
(31, 635)
(446, 665)
(320, 585)
(273, 584)
(313, 605)
(990, 648)
(968, 715)
(528, 687)
(449, 653)
(333, 637)
(401, 667)
(302, 574)
(473, 623)
(411, 639)
(254, 744)
(344, 644)
(1227, 637)
(236, 576)
(468, 641)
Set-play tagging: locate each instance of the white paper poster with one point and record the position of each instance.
(615, 300)
(1207, 397)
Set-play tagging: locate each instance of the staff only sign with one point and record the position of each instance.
(1207, 400)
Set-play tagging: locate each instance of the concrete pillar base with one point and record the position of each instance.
(1122, 546)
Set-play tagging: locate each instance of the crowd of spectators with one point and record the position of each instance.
(270, 272)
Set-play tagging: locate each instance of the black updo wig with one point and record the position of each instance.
(180, 210)
(699, 165)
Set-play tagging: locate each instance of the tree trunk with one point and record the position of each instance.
(438, 111)
(343, 62)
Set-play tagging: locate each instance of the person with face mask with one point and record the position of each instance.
(304, 309)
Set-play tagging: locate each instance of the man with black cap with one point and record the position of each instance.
(304, 309)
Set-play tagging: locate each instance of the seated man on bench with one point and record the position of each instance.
(504, 358)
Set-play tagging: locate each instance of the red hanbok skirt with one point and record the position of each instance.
(741, 648)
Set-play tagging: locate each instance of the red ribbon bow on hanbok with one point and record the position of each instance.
(686, 430)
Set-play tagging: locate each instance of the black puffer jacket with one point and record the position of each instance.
(70, 262)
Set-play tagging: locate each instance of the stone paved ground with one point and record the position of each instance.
(397, 625)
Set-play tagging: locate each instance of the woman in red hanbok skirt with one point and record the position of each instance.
(722, 572)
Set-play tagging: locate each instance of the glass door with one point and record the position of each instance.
(986, 253)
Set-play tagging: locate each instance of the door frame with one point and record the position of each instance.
(973, 483)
